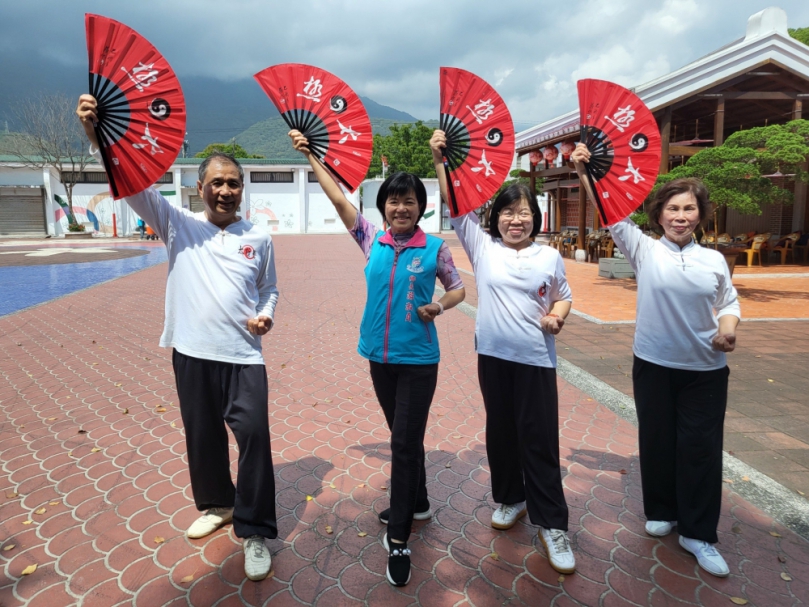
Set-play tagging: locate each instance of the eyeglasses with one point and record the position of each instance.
(508, 215)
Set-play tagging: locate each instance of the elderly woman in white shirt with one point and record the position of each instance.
(523, 299)
(687, 313)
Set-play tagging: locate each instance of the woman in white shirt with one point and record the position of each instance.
(523, 299)
(687, 313)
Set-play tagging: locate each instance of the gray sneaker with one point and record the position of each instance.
(257, 559)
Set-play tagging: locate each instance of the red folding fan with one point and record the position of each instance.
(327, 112)
(624, 141)
(480, 139)
(141, 109)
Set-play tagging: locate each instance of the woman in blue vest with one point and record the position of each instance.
(398, 336)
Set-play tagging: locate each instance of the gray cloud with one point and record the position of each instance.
(390, 51)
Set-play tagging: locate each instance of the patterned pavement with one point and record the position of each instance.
(94, 489)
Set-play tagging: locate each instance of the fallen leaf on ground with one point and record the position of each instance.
(736, 529)
(12, 495)
(94, 364)
(782, 558)
(95, 450)
(9, 547)
(309, 498)
(283, 366)
(160, 410)
(772, 381)
(561, 579)
(70, 453)
(329, 530)
(738, 600)
(327, 400)
(800, 492)
(331, 486)
(118, 385)
(173, 425)
(186, 579)
(728, 481)
(159, 540)
(126, 411)
(360, 486)
(50, 419)
(448, 465)
(29, 570)
(40, 511)
(746, 479)
(495, 556)
(758, 355)
(383, 488)
(775, 534)
(785, 577)
(27, 522)
(362, 534)
(82, 431)
(456, 436)
(53, 503)
(622, 471)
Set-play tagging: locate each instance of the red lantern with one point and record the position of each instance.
(535, 157)
(550, 153)
(567, 148)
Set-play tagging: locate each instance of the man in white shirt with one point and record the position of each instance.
(220, 299)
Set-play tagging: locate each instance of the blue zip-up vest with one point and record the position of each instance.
(391, 330)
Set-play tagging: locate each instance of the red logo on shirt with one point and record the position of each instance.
(541, 291)
(248, 251)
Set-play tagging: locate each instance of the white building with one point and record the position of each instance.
(281, 196)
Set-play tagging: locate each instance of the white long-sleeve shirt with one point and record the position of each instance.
(678, 292)
(218, 279)
(515, 290)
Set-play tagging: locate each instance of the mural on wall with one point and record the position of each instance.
(276, 215)
(98, 209)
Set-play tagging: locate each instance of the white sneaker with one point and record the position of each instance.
(557, 547)
(507, 515)
(209, 522)
(257, 559)
(659, 528)
(708, 557)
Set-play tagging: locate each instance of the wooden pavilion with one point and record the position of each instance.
(757, 80)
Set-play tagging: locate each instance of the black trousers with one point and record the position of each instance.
(213, 394)
(681, 416)
(405, 393)
(522, 438)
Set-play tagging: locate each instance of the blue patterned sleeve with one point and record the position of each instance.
(363, 233)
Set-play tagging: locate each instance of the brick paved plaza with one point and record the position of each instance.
(94, 488)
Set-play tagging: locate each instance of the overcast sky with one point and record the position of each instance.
(390, 50)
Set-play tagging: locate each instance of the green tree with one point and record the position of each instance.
(800, 34)
(735, 172)
(407, 149)
(232, 148)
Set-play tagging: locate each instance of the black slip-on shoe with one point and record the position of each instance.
(398, 572)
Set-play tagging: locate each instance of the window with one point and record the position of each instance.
(310, 177)
(271, 177)
(101, 177)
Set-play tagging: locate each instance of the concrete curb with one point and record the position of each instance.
(760, 490)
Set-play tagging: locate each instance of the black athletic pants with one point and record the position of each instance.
(681, 416)
(213, 394)
(522, 438)
(405, 393)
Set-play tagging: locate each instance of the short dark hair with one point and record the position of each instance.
(684, 185)
(401, 184)
(219, 157)
(514, 193)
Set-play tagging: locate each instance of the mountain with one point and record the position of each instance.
(217, 110)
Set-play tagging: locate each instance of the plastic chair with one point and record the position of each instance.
(785, 245)
(759, 241)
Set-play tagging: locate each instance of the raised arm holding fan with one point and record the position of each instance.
(523, 300)
(687, 313)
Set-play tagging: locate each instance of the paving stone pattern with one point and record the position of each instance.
(91, 433)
